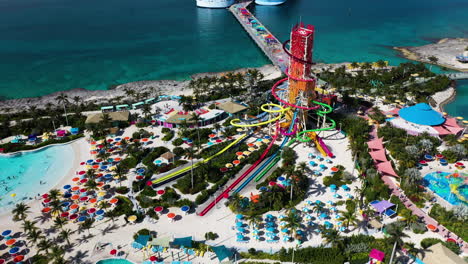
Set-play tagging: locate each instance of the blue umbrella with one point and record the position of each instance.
(82, 219)
(6, 233)
(67, 195)
(100, 212)
(342, 229)
(328, 224)
(345, 187)
(269, 216)
(337, 195)
(286, 238)
(239, 216)
(14, 250)
(257, 237)
(318, 202)
(333, 186)
(66, 187)
(118, 139)
(323, 215)
(267, 137)
(90, 161)
(241, 229)
(284, 230)
(185, 208)
(263, 189)
(281, 179)
(240, 236)
(239, 224)
(104, 167)
(108, 176)
(66, 204)
(271, 229)
(428, 157)
(141, 170)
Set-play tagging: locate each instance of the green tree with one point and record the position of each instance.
(396, 237)
(63, 99)
(20, 212)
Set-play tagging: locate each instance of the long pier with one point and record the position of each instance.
(266, 41)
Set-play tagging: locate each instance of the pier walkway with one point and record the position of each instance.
(457, 76)
(266, 41)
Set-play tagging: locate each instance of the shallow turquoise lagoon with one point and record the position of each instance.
(52, 45)
(28, 174)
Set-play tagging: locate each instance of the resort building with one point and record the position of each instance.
(115, 117)
(421, 118)
(168, 157)
(233, 108)
(438, 254)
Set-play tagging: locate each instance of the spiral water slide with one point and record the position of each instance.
(225, 193)
(179, 172)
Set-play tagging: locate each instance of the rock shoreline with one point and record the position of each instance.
(443, 98)
(444, 50)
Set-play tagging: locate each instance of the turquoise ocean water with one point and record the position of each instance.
(32, 173)
(53, 45)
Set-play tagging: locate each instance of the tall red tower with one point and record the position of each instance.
(300, 62)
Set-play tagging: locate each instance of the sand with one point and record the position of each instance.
(444, 50)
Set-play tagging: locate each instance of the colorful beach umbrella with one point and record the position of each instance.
(158, 209)
(171, 215)
(18, 259)
(10, 242)
(113, 252)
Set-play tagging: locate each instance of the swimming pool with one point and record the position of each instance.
(114, 261)
(447, 186)
(28, 174)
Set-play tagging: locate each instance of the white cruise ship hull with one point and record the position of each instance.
(215, 3)
(270, 2)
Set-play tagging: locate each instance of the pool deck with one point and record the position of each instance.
(441, 230)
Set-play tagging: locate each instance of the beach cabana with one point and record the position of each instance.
(138, 105)
(61, 133)
(222, 252)
(161, 241)
(384, 207)
(182, 241)
(150, 100)
(140, 241)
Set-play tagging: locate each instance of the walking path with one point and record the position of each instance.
(441, 230)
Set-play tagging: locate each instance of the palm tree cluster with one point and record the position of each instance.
(231, 84)
(396, 83)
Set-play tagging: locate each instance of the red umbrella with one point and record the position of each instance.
(82, 163)
(46, 201)
(73, 217)
(272, 183)
(218, 141)
(95, 166)
(423, 162)
(239, 153)
(171, 215)
(2, 261)
(93, 143)
(75, 179)
(451, 240)
(223, 169)
(139, 177)
(98, 160)
(10, 242)
(153, 258)
(46, 210)
(84, 199)
(81, 172)
(113, 252)
(158, 209)
(459, 164)
(149, 183)
(110, 140)
(83, 181)
(161, 192)
(18, 258)
(439, 156)
(45, 195)
(212, 135)
(113, 201)
(65, 214)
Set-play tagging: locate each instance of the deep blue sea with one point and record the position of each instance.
(53, 45)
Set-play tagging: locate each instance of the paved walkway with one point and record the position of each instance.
(426, 219)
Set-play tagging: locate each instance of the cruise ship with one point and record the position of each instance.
(215, 3)
(270, 2)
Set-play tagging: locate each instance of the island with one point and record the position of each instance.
(443, 53)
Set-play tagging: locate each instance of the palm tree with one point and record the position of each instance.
(293, 222)
(59, 222)
(54, 194)
(62, 99)
(196, 118)
(408, 217)
(65, 235)
(354, 65)
(253, 219)
(396, 234)
(413, 175)
(87, 224)
(349, 218)
(302, 167)
(57, 254)
(91, 185)
(217, 127)
(146, 111)
(190, 153)
(332, 237)
(44, 245)
(29, 226)
(76, 100)
(20, 212)
(432, 60)
(34, 236)
(235, 201)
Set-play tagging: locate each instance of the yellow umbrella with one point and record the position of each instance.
(239, 130)
(246, 153)
(13, 195)
(113, 168)
(228, 165)
(266, 140)
(240, 157)
(465, 121)
(398, 101)
(101, 194)
(252, 149)
(460, 118)
(389, 116)
(258, 143)
(132, 218)
(444, 113)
